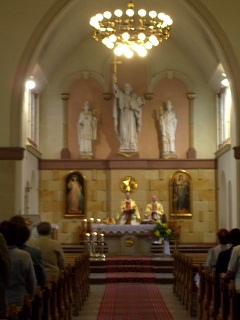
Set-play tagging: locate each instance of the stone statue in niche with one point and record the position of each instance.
(87, 130)
(127, 114)
(168, 124)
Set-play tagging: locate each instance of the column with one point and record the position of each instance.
(65, 153)
(218, 120)
(36, 119)
(191, 154)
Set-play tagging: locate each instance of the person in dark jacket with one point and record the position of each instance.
(5, 276)
(36, 254)
(224, 256)
(23, 280)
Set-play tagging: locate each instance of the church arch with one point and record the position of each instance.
(47, 29)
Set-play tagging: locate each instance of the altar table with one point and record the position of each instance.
(126, 239)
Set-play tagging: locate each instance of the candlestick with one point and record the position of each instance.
(94, 236)
(84, 223)
(102, 237)
(88, 237)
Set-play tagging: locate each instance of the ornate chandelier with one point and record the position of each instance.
(126, 32)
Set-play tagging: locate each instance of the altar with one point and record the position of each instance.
(126, 239)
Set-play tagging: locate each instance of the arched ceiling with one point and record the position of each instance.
(70, 27)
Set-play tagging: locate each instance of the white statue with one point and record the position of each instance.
(168, 125)
(87, 130)
(127, 114)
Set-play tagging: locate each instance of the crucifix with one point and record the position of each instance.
(115, 63)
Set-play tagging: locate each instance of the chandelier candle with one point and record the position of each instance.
(128, 32)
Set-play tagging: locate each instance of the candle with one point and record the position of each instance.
(102, 237)
(92, 220)
(98, 221)
(88, 237)
(94, 236)
(84, 223)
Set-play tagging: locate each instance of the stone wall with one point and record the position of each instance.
(103, 196)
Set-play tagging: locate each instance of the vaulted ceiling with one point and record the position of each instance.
(69, 28)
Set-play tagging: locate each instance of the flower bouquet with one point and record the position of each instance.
(165, 230)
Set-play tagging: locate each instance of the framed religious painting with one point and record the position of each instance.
(181, 194)
(75, 187)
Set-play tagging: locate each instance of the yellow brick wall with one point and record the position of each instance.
(103, 198)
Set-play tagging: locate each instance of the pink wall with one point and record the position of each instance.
(149, 139)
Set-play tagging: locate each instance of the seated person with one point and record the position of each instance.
(21, 221)
(5, 276)
(36, 255)
(213, 253)
(154, 210)
(224, 256)
(23, 280)
(129, 213)
(52, 252)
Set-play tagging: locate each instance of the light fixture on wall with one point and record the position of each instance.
(225, 82)
(126, 32)
(30, 83)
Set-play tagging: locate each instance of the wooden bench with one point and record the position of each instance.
(58, 300)
(234, 302)
(80, 284)
(186, 265)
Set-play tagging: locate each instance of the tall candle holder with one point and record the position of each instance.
(90, 225)
(102, 245)
(88, 242)
(84, 226)
(95, 244)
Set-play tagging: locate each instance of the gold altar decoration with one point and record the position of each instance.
(128, 184)
(128, 155)
(129, 242)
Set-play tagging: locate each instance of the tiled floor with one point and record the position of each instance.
(91, 306)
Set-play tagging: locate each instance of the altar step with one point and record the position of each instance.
(157, 269)
(184, 247)
(156, 249)
(162, 266)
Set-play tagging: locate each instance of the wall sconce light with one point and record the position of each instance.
(225, 82)
(30, 84)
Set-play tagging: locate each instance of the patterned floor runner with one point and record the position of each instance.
(119, 277)
(130, 269)
(129, 260)
(135, 301)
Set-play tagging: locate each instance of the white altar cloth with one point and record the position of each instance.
(123, 229)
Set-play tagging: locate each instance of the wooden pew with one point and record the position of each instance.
(58, 300)
(194, 263)
(21, 312)
(234, 302)
(215, 296)
(47, 301)
(80, 284)
(36, 305)
(186, 265)
(67, 292)
(13, 312)
(201, 291)
(223, 311)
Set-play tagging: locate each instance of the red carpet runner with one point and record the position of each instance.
(130, 269)
(140, 301)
